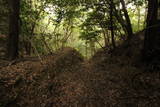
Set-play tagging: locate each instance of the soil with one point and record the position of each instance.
(66, 79)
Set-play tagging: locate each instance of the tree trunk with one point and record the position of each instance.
(128, 30)
(151, 49)
(13, 29)
(111, 28)
(28, 47)
(106, 42)
(128, 21)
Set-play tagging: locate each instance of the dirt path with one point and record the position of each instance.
(67, 80)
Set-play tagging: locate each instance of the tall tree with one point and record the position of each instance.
(13, 29)
(152, 35)
(128, 21)
(111, 21)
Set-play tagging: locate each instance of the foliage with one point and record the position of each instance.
(53, 24)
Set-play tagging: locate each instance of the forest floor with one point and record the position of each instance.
(66, 79)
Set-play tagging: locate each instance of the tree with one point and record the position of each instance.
(30, 17)
(128, 22)
(13, 29)
(111, 21)
(151, 49)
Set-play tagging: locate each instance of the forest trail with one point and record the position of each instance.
(123, 73)
(66, 79)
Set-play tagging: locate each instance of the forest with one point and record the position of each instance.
(79, 53)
